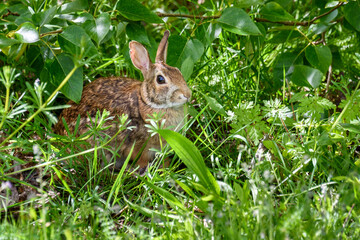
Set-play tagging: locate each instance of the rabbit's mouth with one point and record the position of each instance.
(167, 105)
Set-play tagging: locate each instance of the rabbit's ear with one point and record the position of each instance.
(139, 56)
(162, 49)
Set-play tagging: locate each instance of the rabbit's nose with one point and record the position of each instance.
(182, 97)
(187, 95)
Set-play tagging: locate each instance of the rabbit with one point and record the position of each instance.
(163, 90)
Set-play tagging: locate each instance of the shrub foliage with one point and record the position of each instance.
(270, 149)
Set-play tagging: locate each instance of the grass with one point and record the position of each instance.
(255, 164)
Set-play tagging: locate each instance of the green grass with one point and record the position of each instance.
(254, 161)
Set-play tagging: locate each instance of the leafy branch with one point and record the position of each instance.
(288, 23)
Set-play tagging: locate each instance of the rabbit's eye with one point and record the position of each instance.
(160, 79)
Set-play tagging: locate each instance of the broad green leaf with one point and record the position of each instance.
(319, 56)
(274, 12)
(23, 11)
(248, 3)
(284, 36)
(136, 31)
(75, 40)
(173, 201)
(135, 11)
(237, 21)
(215, 105)
(35, 59)
(306, 76)
(97, 28)
(195, 49)
(201, 204)
(175, 49)
(180, 49)
(102, 26)
(284, 63)
(207, 33)
(61, 66)
(320, 27)
(3, 7)
(6, 42)
(74, 6)
(151, 212)
(187, 68)
(352, 14)
(27, 33)
(45, 17)
(83, 18)
(191, 157)
(355, 128)
(330, 17)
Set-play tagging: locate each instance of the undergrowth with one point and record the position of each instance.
(264, 153)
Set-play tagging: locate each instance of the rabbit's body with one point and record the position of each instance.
(119, 95)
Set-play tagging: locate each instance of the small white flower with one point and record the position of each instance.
(230, 116)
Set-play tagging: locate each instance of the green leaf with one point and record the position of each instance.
(191, 157)
(237, 21)
(207, 33)
(135, 11)
(6, 42)
(320, 27)
(102, 27)
(74, 6)
(136, 31)
(314, 106)
(284, 64)
(306, 76)
(319, 56)
(175, 50)
(35, 59)
(75, 40)
(173, 201)
(180, 49)
(355, 128)
(215, 105)
(61, 66)
(352, 112)
(274, 12)
(97, 29)
(330, 17)
(352, 14)
(26, 33)
(187, 68)
(248, 3)
(45, 17)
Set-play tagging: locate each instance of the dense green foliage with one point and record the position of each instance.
(270, 149)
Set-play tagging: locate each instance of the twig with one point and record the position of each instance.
(51, 33)
(288, 23)
(187, 15)
(346, 220)
(327, 13)
(328, 79)
(9, 13)
(304, 23)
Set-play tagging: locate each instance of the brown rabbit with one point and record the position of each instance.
(163, 90)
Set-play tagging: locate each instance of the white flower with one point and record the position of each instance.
(230, 116)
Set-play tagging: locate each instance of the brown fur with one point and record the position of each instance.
(137, 99)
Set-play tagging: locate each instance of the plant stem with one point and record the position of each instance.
(41, 108)
(345, 108)
(7, 98)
